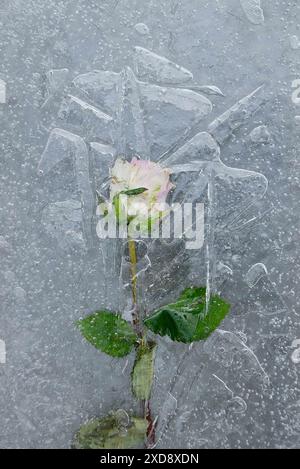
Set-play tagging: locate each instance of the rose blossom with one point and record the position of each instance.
(138, 192)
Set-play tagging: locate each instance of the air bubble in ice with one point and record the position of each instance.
(20, 294)
(142, 29)
(2, 352)
(255, 273)
(260, 134)
(5, 247)
(295, 42)
(2, 91)
(253, 11)
(295, 357)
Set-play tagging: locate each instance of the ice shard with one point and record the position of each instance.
(232, 119)
(61, 145)
(86, 119)
(152, 67)
(132, 136)
(100, 87)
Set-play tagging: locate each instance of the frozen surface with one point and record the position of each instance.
(204, 87)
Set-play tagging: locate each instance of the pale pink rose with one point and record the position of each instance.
(152, 184)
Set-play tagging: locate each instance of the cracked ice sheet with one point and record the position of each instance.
(52, 380)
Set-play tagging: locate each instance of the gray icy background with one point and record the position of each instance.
(241, 388)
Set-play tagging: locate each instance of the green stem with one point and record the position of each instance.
(133, 266)
(145, 404)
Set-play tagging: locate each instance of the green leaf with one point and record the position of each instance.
(121, 206)
(137, 191)
(108, 332)
(186, 320)
(120, 209)
(143, 370)
(110, 433)
(218, 310)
